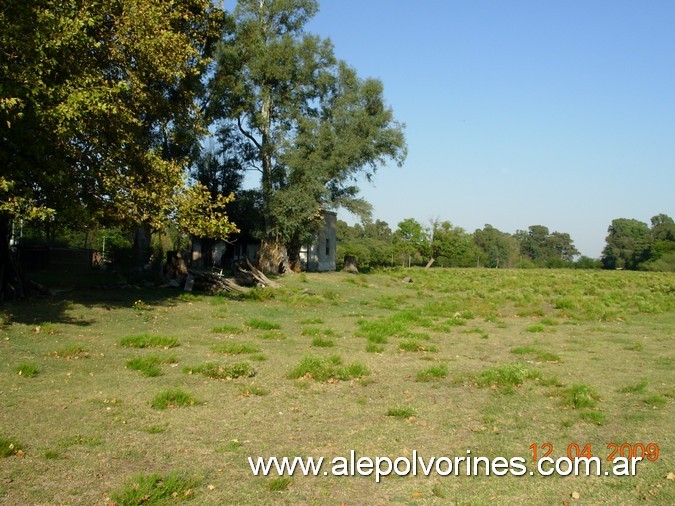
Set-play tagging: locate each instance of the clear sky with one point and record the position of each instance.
(519, 113)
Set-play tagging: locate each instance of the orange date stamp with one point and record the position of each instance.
(648, 451)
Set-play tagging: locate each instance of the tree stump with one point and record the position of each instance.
(350, 264)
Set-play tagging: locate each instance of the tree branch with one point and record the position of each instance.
(247, 134)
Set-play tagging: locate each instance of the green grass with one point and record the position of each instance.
(321, 342)
(258, 324)
(215, 370)
(512, 375)
(432, 373)
(71, 352)
(149, 341)
(401, 412)
(235, 348)
(88, 426)
(279, 484)
(27, 370)
(9, 446)
(329, 368)
(581, 396)
(156, 489)
(150, 366)
(175, 398)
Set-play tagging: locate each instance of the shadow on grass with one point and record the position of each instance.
(89, 288)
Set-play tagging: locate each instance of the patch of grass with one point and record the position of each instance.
(272, 335)
(437, 491)
(431, 373)
(374, 348)
(524, 350)
(253, 390)
(46, 328)
(9, 446)
(316, 331)
(634, 347)
(326, 369)
(154, 429)
(231, 446)
(321, 342)
(149, 341)
(235, 348)
(655, 400)
(595, 417)
(155, 489)
(190, 297)
(414, 345)
(72, 352)
(259, 324)
(581, 396)
(279, 484)
(217, 371)
(27, 370)
(638, 388)
(512, 375)
(173, 399)
(52, 454)
(312, 321)
(81, 440)
(227, 329)
(401, 412)
(541, 356)
(537, 327)
(150, 366)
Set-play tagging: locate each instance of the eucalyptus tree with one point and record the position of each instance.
(314, 125)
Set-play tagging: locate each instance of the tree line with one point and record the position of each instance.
(630, 244)
(142, 115)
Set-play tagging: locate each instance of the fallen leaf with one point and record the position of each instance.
(576, 495)
(671, 477)
(210, 487)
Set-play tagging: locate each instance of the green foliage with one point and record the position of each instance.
(150, 366)
(217, 371)
(259, 324)
(8, 446)
(73, 351)
(235, 348)
(401, 412)
(581, 396)
(322, 342)
(148, 340)
(279, 484)
(326, 369)
(173, 399)
(506, 376)
(27, 370)
(156, 489)
(432, 373)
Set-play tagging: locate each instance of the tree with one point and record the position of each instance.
(627, 244)
(498, 248)
(311, 122)
(370, 243)
(97, 107)
(452, 244)
(411, 240)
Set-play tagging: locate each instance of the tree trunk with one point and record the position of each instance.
(11, 283)
(273, 258)
(141, 246)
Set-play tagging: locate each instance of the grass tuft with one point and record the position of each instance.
(173, 399)
(235, 348)
(432, 373)
(506, 376)
(227, 329)
(581, 396)
(259, 324)
(155, 489)
(249, 390)
(401, 412)
(321, 342)
(326, 369)
(9, 447)
(149, 341)
(279, 484)
(150, 366)
(71, 352)
(217, 371)
(27, 370)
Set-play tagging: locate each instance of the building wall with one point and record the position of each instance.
(321, 253)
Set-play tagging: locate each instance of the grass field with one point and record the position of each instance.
(149, 396)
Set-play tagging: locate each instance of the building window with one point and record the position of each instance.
(327, 247)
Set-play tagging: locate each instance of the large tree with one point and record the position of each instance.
(627, 244)
(312, 122)
(97, 108)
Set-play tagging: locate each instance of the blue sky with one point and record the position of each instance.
(519, 113)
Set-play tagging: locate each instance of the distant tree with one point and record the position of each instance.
(312, 124)
(370, 243)
(497, 248)
(546, 249)
(627, 244)
(661, 255)
(411, 241)
(452, 245)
